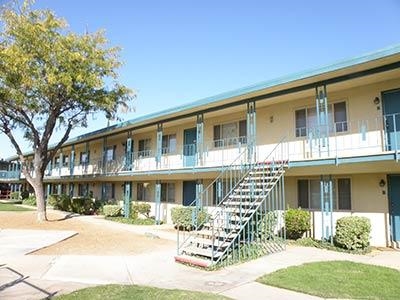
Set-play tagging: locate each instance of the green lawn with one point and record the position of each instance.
(120, 292)
(12, 207)
(338, 279)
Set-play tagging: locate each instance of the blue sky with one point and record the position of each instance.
(175, 52)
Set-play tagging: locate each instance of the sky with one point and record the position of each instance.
(175, 52)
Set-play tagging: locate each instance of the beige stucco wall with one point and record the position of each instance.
(367, 199)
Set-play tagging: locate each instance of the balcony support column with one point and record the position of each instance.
(199, 195)
(104, 156)
(60, 163)
(159, 144)
(157, 201)
(71, 189)
(322, 134)
(251, 131)
(72, 161)
(59, 189)
(128, 152)
(200, 139)
(127, 198)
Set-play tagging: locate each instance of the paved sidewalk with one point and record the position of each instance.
(42, 275)
(20, 242)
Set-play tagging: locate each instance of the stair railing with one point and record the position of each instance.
(220, 190)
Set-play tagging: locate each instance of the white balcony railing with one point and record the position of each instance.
(351, 138)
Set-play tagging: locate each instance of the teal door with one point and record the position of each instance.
(189, 147)
(394, 206)
(391, 111)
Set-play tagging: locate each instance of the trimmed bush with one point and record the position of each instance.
(60, 202)
(31, 200)
(15, 195)
(140, 208)
(182, 217)
(82, 205)
(353, 233)
(111, 210)
(297, 222)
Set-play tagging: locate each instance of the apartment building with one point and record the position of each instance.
(333, 130)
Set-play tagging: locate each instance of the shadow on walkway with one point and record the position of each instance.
(21, 279)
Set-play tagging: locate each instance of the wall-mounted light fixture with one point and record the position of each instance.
(377, 101)
(382, 183)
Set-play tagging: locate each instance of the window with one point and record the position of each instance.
(84, 158)
(144, 148)
(168, 144)
(143, 191)
(309, 193)
(221, 188)
(168, 192)
(306, 118)
(83, 189)
(108, 191)
(65, 161)
(230, 134)
(109, 153)
(56, 162)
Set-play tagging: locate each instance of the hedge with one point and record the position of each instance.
(353, 232)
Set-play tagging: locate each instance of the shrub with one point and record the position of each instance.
(140, 208)
(31, 200)
(82, 205)
(111, 210)
(182, 217)
(15, 195)
(353, 232)
(60, 202)
(297, 222)
(24, 194)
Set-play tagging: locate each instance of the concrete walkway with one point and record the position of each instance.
(38, 276)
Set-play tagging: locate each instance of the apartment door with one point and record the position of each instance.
(189, 192)
(189, 147)
(394, 206)
(391, 111)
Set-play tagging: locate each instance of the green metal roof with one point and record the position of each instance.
(346, 63)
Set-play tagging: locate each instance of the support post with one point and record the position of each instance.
(199, 190)
(72, 161)
(322, 132)
(128, 153)
(104, 160)
(127, 198)
(251, 131)
(200, 138)
(157, 201)
(60, 163)
(159, 144)
(71, 189)
(59, 189)
(326, 194)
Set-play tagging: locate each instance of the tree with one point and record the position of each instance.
(52, 78)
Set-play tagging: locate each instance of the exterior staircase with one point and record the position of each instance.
(246, 223)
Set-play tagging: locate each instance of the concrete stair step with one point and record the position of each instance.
(192, 250)
(209, 242)
(191, 260)
(216, 233)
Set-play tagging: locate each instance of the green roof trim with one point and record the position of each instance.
(392, 50)
(346, 63)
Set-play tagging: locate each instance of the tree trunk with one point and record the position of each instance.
(40, 201)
